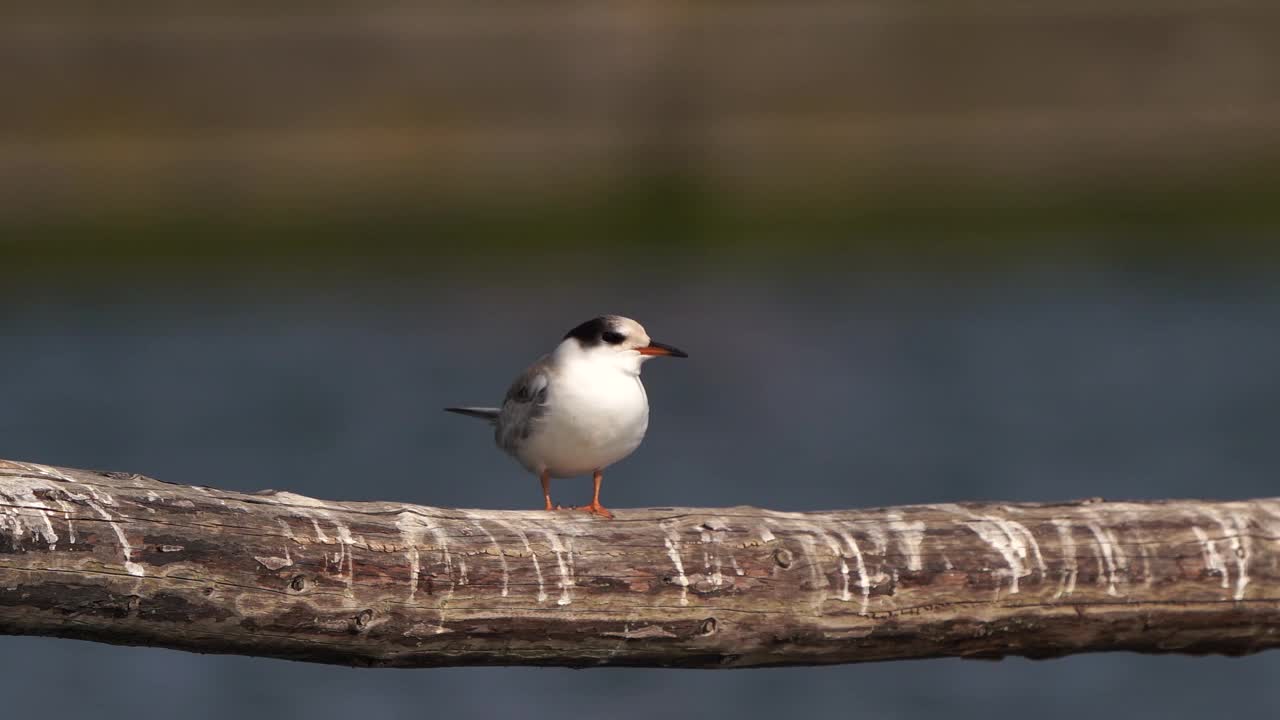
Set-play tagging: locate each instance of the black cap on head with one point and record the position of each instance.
(594, 331)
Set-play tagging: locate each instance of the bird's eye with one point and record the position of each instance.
(611, 337)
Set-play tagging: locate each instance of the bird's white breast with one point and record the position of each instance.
(596, 415)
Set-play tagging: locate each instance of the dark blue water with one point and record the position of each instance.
(800, 394)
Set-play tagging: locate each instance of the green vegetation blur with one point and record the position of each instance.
(418, 137)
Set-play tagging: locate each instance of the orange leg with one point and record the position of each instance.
(545, 477)
(595, 508)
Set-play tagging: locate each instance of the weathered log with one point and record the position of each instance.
(125, 559)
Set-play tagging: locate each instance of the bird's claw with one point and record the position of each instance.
(596, 509)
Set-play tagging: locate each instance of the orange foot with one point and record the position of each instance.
(595, 508)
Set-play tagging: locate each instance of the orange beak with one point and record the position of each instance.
(657, 348)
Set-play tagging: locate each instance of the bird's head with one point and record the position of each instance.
(615, 339)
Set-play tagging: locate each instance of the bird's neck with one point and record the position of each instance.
(595, 361)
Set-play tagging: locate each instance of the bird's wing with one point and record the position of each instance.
(524, 406)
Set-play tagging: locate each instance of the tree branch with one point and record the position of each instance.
(125, 559)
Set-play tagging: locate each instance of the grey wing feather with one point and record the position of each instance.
(483, 413)
(524, 406)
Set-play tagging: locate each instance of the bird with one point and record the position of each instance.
(579, 409)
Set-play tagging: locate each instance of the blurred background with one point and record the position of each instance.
(917, 251)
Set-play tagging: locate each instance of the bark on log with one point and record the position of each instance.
(125, 559)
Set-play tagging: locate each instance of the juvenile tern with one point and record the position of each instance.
(579, 409)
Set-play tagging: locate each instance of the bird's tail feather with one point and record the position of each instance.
(484, 413)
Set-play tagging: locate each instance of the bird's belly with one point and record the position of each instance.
(582, 434)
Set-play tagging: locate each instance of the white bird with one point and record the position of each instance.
(580, 409)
